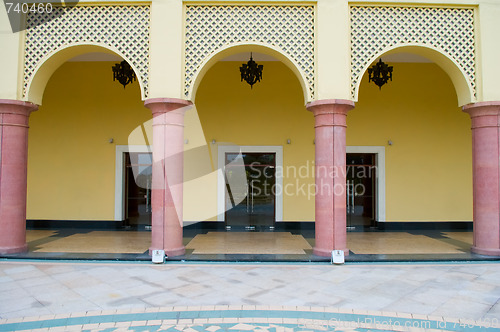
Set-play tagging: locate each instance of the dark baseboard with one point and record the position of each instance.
(433, 225)
(76, 224)
(282, 226)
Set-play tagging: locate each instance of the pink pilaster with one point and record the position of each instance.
(330, 137)
(485, 118)
(14, 117)
(166, 196)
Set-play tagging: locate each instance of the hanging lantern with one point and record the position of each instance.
(380, 73)
(251, 72)
(123, 73)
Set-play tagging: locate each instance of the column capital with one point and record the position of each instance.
(482, 108)
(330, 106)
(165, 105)
(484, 114)
(330, 112)
(17, 107)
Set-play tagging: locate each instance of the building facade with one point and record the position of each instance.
(314, 141)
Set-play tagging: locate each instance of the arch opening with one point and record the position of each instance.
(425, 141)
(263, 134)
(248, 48)
(81, 163)
(463, 86)
(47, 67)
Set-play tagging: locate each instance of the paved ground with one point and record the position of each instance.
(187, 297)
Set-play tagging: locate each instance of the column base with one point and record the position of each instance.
(14, 250)
(327, 252)
(487, 252)
(171, 252)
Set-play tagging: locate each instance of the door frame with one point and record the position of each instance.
(120, 193)
(221, 183)
(379, 152)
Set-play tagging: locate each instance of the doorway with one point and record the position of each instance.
(251, 204)
(361, 190)
(138, 180)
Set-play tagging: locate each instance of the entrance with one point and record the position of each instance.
(253, 201)
(138, 179)
(360, 196)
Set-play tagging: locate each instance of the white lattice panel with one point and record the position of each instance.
(124, 28)
(375, 29)
(290, 28)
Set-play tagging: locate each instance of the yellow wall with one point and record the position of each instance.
(429, 165)
(71, 167)
(71, 164)
(428, 168)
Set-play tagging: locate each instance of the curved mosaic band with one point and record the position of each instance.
(243, 318)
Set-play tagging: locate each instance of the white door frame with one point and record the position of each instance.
(120, 176)
(221, 183)
(379, 152)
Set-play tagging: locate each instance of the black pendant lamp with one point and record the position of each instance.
(123, 73)
(251, 72)
(380, 73)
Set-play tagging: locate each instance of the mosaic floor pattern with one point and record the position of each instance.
(115, 296)
(242, 318)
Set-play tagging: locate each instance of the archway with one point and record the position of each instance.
(266, 126)
(74, 140)
(425, 138)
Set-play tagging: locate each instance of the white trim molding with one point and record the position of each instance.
(379, 152)
(120, 178)
(221, 183)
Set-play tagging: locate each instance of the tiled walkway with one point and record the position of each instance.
(279, 297)
(295, 246)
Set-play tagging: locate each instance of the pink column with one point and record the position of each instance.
(14, 117)
(486, 178)
(168, 163)
(330, 136)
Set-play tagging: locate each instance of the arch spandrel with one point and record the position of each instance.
(212, 28)
(122, 29)
(447, 30)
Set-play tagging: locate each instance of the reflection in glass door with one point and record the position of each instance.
(251, 204)
(138, 179)
(360, 198)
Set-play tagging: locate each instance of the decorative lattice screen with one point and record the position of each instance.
(375, 29)
(287, 27)
(124, 28)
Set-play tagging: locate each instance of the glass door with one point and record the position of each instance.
(138, 179)
(251, 204)
(360, 177)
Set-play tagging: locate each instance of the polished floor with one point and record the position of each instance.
(282, 243)
(140, 296)
(250, 246)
